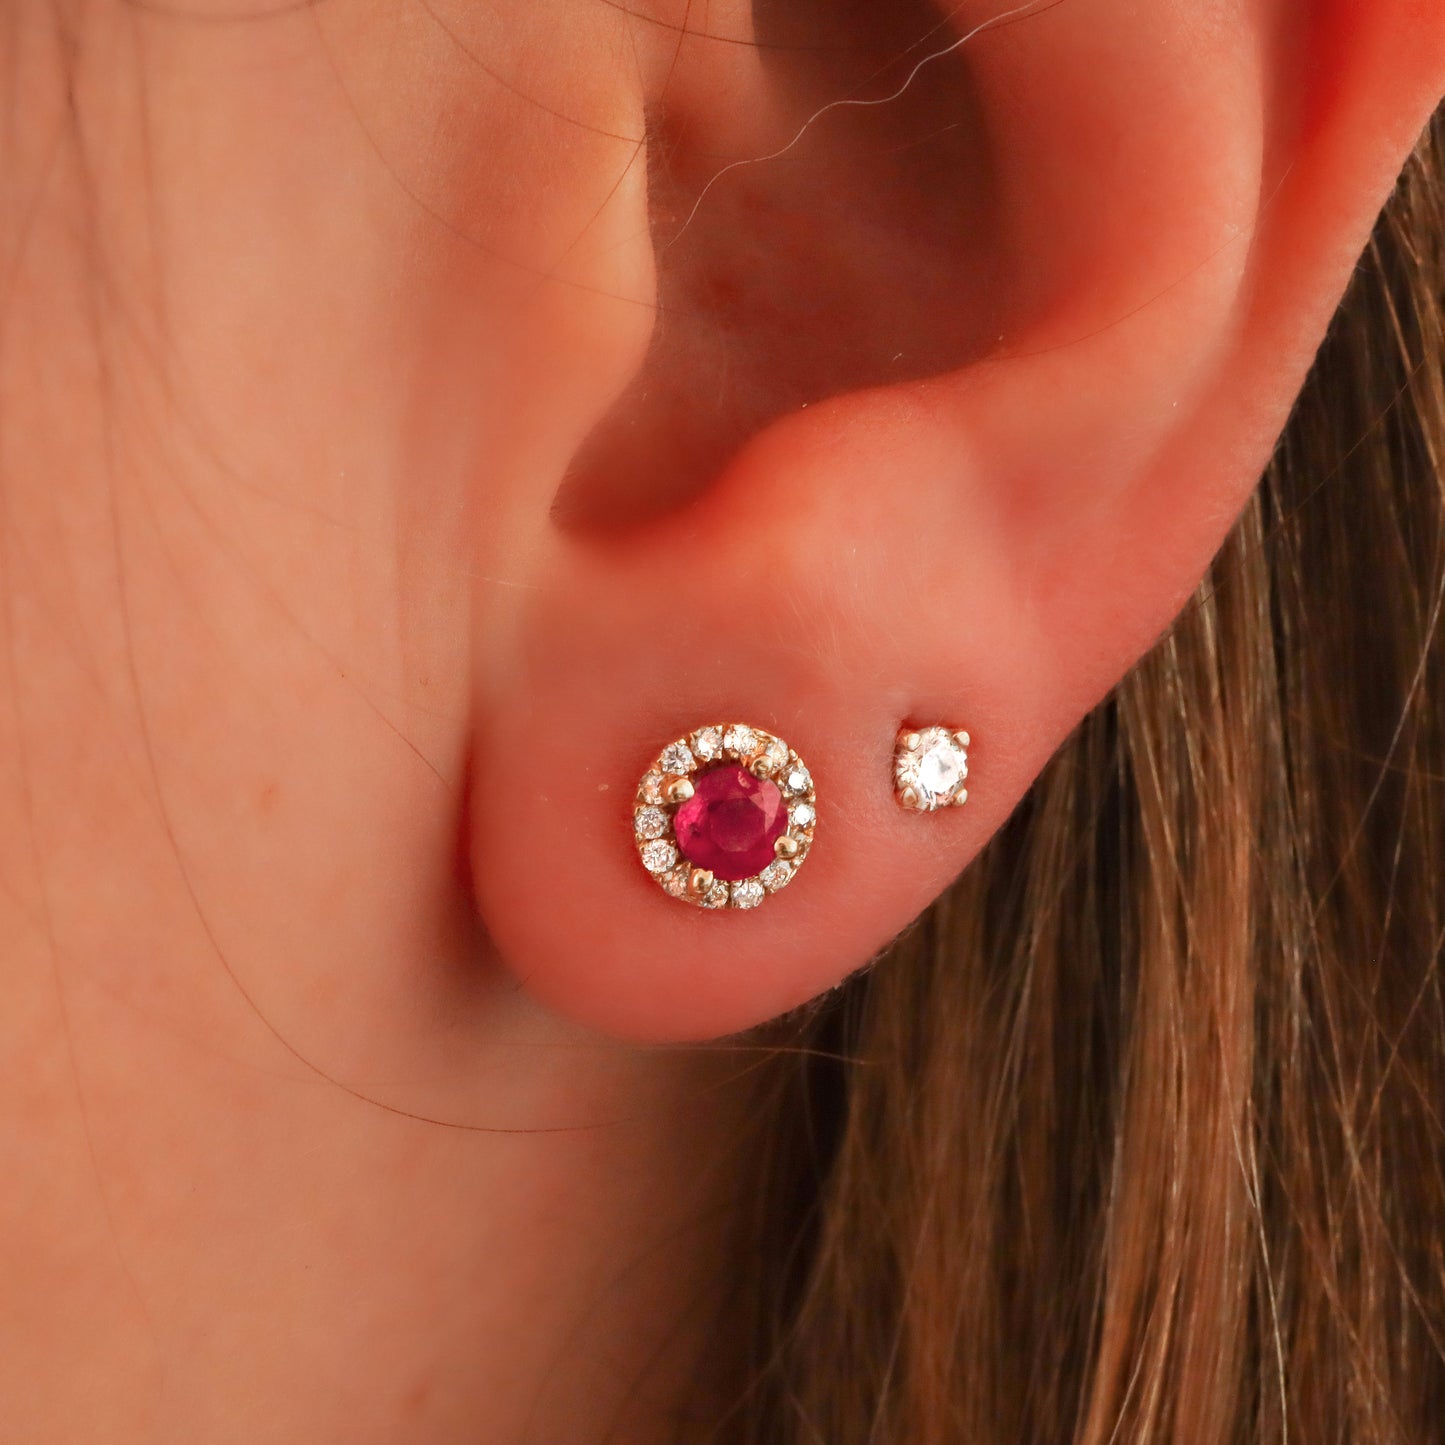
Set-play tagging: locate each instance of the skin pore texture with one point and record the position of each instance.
(411, 416)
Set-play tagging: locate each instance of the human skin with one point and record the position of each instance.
(345, 1095)
(243, 531)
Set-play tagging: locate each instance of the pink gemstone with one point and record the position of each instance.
(730, 823)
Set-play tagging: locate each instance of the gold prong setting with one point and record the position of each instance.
(671, 781)
(930, 768)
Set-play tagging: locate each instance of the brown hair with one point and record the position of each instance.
(1137, 1134)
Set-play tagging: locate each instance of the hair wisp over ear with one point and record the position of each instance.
(961, 395)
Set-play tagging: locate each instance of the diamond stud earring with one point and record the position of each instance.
(725, 816)
(929, 768)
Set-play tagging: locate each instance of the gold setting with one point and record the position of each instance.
(667, 784)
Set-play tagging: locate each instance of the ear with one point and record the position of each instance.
(947, 410)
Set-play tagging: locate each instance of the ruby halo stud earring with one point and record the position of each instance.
(930, 766)
(725, 816)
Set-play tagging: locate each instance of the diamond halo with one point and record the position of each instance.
(755, 758)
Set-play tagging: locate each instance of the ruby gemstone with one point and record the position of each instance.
(730, 823)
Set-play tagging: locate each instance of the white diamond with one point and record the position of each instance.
(651, 822)
(798, 780)
(651, 788)
(676, 882)
(678, 759)
(939, 771)
(748, 894)
(777, 754)
(707, 743)
(803, 815)
(716, 896)
(935, 769)
(776, 875)
(740, 741)
(658, 856)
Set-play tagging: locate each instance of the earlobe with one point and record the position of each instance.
(990, 547)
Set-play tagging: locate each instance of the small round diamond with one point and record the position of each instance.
(776, 875)
(651, 822)
(930, 768)
(677, 759)
(658, 856)
(803, 815)
(776, 754)
(748, 893)
(798, 780)
(676, 882)
(716, 896)
(707, 744)
(740, 741)
(650, 789)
